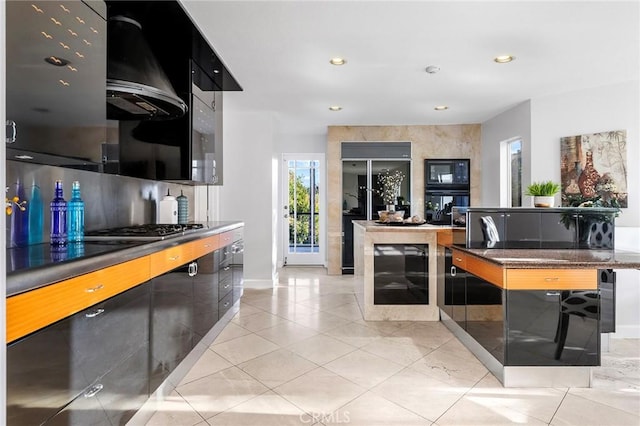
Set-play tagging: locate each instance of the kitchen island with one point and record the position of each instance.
(531, 315)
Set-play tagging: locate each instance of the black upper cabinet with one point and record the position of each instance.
(55, 82)
(187, 149)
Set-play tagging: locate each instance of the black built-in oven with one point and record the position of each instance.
(447, 185)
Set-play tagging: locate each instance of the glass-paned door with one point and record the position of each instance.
(303, 224)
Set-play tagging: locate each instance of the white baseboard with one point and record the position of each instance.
(626, 332)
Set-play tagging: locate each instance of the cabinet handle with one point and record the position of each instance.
(12, 131)
(454, 271)
(174, 258)
(551, 279)
(226, 286)
(94, 289)
(93, 390)
(206, 245)
(553, 293)
(94, 314)
(226, 304)
(459, 259)
(226, 268)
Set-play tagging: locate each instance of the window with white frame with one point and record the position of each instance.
(511, 173)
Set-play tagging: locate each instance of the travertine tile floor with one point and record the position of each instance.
(301, 354)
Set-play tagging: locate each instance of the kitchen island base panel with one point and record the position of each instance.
(521, 376)
(161, 394)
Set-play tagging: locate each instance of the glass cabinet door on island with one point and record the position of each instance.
(401, 274)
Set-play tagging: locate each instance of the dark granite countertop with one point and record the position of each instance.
(560, 258)
(35, 266)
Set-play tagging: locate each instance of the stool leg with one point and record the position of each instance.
(563, 326)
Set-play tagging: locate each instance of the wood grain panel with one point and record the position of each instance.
(485, 270)
(205, 246)
(552, 279)
(33, 310)
(226, 238)
(170, 258)
(445, 237)
(459, 259)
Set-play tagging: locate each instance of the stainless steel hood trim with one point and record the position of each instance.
(115, 87)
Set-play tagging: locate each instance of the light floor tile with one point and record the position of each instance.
(218, 392)
(474, 411)
(286, 333)
(540, 403)
(321, 349)
(230, 332)
(277, 367)
(427, 397)
(373, 410)
(319, 391)
(268, 409)
(258, 321)
(437, 381)
(174, 411)
(354, 334)
(244, 348)
(363, 368)
(401, 350)
(209, 363)
(450, 368)
(576, 410)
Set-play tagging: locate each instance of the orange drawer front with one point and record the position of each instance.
(170, 258)
(205, 246)
(33, 310)
(552, 279)
(459, 259)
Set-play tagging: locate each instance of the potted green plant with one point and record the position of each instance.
(543, 193)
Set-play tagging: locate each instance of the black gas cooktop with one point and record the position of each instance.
(149, 232)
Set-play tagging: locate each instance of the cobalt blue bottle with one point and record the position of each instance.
(58, 217)
(75, 215)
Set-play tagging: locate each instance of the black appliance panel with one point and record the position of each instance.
(447, 173)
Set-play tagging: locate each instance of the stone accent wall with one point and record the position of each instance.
(432, 141)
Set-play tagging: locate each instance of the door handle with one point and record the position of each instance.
(12, 131)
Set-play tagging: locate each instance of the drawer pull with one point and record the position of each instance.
(226, 268)
(459, 259)
(93, 390)
(94, 289)
(226, 286)
(454, 271)
(95, 313)
(226, 304)
(207, 245)
(552, 279)
(553, 293)
(174, 258)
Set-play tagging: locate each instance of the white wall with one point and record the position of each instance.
(249, 191)
(613, 107)
(515, 122)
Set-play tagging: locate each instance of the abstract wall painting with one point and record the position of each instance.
(593, 168)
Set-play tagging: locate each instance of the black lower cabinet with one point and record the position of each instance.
(61, 374)
(485, 314)
(401, 274)
(551, 327)
(171, 322)
(452, 297)
(205, 295)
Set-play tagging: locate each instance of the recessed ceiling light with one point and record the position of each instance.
(432, 69)
(338, 61)
(441, 107)
(504, 59)
(335, 108)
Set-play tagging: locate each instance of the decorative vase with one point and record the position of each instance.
(544, 201)
(391, 207)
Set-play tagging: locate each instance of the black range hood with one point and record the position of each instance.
(137, 87)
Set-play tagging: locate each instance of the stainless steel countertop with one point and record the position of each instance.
(29, 268)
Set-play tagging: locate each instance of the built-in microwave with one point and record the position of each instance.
(446, 173)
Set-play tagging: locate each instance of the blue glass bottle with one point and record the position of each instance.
(75, 215)
(58, 217)
(36, 216)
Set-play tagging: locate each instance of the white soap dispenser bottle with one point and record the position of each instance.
(168, 209)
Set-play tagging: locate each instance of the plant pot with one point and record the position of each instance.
(544, 201)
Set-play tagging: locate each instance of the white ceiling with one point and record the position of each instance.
(279, 52)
